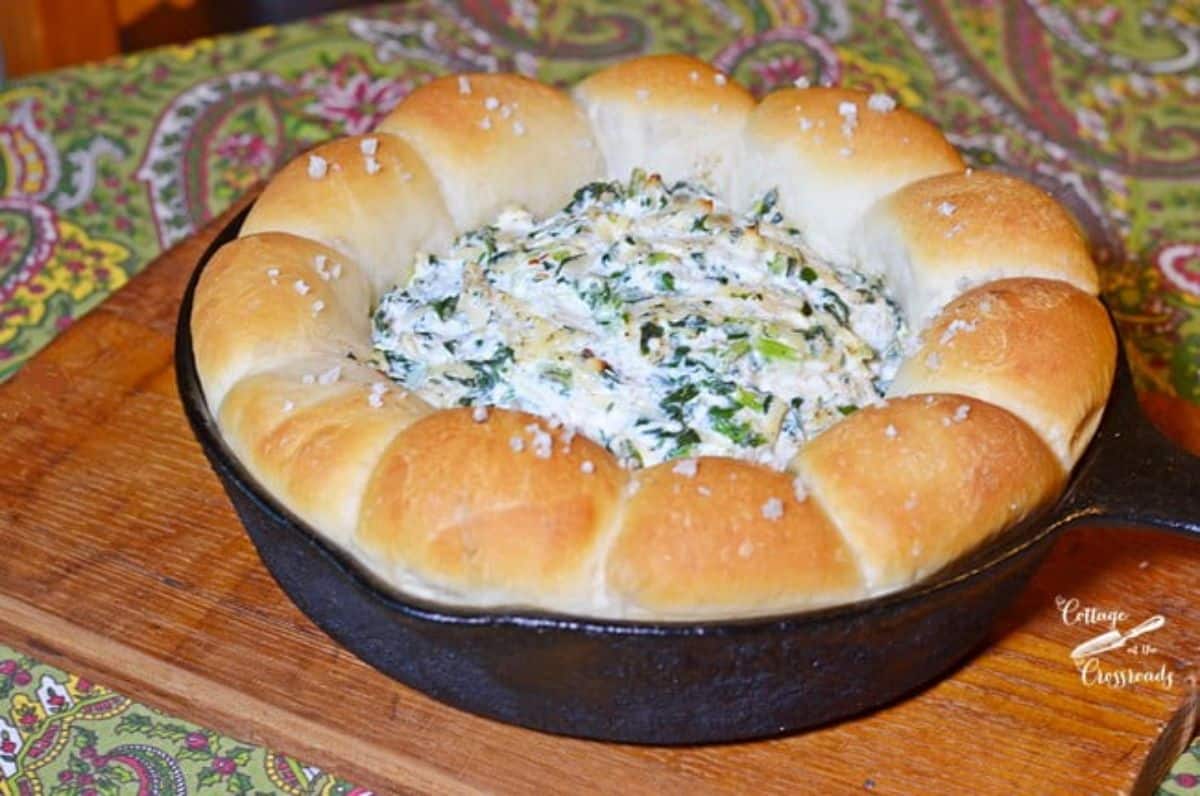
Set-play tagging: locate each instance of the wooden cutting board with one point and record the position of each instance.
(123, 561)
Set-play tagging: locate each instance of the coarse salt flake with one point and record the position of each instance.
(517, 444)
(960, 414)
(772, 509)
(890, 432)
(542, 444)
(720, 79)
(703, 490)
(479, 414)
(799, 489)
(368, 146)
(491, 103)
(464, 85)
(317, 166)
(881, 103)
(372, 166)
(587, 467)
(272, 274)
(802, 82)
(486, 123)
(955, 326)
(301, 287)
(330, 376)
(685, 467)
(317, 306)
(518, 128)
(946, 209)
(288, 406)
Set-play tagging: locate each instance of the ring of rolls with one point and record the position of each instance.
(979, 428)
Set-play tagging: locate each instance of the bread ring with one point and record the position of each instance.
(486, 506)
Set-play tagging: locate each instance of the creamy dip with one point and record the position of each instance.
(650, 318)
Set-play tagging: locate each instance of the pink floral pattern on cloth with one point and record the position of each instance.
(104, 166)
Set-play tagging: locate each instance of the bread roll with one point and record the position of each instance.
(939, 237)
(832, 153)
(915, 483)
(670, 114)
(263, 301)
(726, 539)
(338, 193)
(496, 140)
(1043, 350)
(312, 430)
(473, 507)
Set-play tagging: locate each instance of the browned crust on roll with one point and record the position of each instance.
(454, 502)
(831, 166)
(344, 208)
(1041, 349)
(312, 432)
(730, 539)
(923, 479)
(898, 146)
(506, 140)
(670, 80)
(940, 236)
(262, 301)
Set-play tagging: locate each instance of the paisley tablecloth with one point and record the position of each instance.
(61, 735)
(104, 166)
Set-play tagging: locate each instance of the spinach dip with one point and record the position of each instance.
(650, 318)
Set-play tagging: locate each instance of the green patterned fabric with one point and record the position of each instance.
(102, 167)
(61, 735)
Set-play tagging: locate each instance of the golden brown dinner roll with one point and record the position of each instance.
(936, 238)
(721, 537)
(370, 197)
(832, 153)
(496, 140)
(493, 506)
(916, 482)
(312, 432)
(671, 114)
(1043, 350)
(270, 298)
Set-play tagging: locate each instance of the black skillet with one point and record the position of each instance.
(697, 682)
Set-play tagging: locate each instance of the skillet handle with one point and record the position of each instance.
(1132, 474)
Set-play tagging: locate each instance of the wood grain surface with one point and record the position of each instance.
(123, 560)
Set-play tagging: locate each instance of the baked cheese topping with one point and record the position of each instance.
(650, 318)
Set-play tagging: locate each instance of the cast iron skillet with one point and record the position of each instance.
(697, 682)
